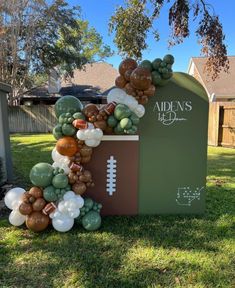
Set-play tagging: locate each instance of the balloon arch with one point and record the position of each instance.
(57, 193)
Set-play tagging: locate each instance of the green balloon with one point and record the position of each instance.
(67, 104)
(118, 129)
(57, 132)
(91, 221)
(68, 129)
(88, 202)
(156, 63)
(79, 115)
(60, 181)
(156, 78)
(146, 64)
(169, 59)
(41, 174)
(122, 111)
(125, 123)
(49, 194)
(134, 119)
(112, 121)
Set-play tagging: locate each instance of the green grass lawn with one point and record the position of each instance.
(143, 251)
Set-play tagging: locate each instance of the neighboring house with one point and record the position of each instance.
(90, 84)
(223, 88)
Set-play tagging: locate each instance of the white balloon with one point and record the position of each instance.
(99, 134)
(13, 197)
(68, 195)
(79, 201)
(16, 218)
(92, 143)
(81, 134)
(88, 134)
(140, 111)
(63, 223)
(74, 213)
(131, 102)
(117, 95)
(90, 125)
(57, 157)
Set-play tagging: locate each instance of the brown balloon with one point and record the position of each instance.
(25, 197)
(140, 93)
(141, 78)
(86, 151)
(79, 188)
(39, 204)
(130, 90)
(67, 146)
(90, 110)
(127, 75)
(127, 64)
(36, 192)
(120, 81)
(32, 199)
(37, 221)
(150, 91)
(25, 208)
(72, 178)
(100, 124)
(143, 100)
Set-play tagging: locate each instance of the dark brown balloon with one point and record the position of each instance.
(37, 221)
(90, 110)
(67, 146)
(130, 90)
(141, 78)
(127, 64)
(79, 188)
(36, 192)
(39, 204)
(25, 208)
(120, 82)
(32, 199)
(140, 93)
(100, 124)
(150, 91)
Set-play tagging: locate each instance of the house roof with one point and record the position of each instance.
(99, 76)
(224, 85)
(90, 84)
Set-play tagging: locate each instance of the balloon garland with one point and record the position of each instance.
(56, 195)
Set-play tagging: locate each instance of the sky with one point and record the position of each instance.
(99, 12)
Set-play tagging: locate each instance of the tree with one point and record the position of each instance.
(134, 20)
(36, 36)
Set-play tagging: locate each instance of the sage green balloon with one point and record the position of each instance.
(67, 104)
(88, 202)
(60, 181)
(49, 194)
(68, 129)
(41, 174)
(91, 221)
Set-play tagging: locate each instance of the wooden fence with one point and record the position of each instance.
(31, 119)
(221, 129)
